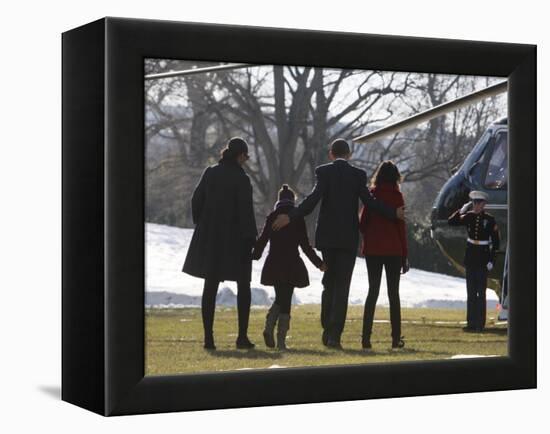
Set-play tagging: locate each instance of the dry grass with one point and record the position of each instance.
(174, 340)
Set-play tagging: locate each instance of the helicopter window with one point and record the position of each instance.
(497, 171)
(477, 153)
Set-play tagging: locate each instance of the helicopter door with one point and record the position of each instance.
(496, 177)
(489, 172)
(473, 165)
(496, 184)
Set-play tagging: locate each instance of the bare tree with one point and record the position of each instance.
(434, 150)
(289, 115)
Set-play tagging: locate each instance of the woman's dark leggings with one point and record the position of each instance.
(283, 297)
(208, 305)
(392, 265)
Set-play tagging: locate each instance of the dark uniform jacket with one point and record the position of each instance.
(480, 227)
(338, 187)
(225, 231)
(283, 263)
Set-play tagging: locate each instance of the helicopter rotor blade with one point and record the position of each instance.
(198, 70)
(434, 112)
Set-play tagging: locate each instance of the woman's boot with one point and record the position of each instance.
(282, 328)
(365, 342)
(270, 321)
(209, 341)
(208, 308)
(243, 313)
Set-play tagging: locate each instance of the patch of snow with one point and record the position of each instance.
(168, 286)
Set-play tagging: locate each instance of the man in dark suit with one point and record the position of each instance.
(339, 186)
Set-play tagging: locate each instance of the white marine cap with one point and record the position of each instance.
(479, 195)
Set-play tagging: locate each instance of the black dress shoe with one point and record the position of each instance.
(468, 329)
(243, 343)
(334, 344)
(209, 343)
(397, 343)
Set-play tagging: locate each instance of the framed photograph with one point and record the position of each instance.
(257, 216)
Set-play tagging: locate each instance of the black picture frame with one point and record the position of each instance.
(103, 216)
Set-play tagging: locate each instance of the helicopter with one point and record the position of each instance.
(485, 168)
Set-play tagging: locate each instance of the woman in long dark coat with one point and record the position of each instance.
(224, 236)
(283, 267)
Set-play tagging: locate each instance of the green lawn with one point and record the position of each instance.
(174, 339)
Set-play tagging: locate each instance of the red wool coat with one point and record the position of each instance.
(381, 236)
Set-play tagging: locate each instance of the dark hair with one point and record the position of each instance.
(235, 147)
(339, 148)
(286, 193)
(387, 172)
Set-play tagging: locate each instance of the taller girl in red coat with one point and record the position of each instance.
(384, 246)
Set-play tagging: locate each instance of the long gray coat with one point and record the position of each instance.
(225, 229)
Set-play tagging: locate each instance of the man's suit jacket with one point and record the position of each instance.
(338, 187)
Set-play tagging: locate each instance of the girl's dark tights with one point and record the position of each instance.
(283, 297)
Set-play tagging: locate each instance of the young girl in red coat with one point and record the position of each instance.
(384, 246)
(283, 267)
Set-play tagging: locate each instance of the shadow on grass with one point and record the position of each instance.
(275, 354)
(393, 353)
(461, 341)
(358, 352)
(487, 330)
(307, 352)
(495, 331)
(247, 354)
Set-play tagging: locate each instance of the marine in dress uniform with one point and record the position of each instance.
(481, 245)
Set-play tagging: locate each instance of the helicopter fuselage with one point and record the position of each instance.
(485, 169)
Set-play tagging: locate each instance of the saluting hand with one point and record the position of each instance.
(465, 208)
(280, 222)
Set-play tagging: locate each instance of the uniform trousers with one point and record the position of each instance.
(476, 304)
